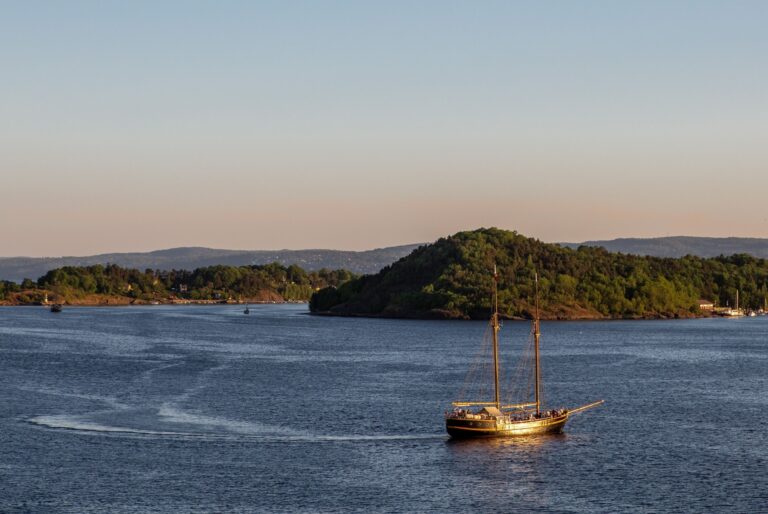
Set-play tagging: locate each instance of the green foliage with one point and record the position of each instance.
(7, 287)
(453, 278)
(210, 283)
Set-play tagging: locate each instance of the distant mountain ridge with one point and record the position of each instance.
(189, 258)
(362, 262)
(679, 246)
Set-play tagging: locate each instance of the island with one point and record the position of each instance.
(114, 285)
(452, 279)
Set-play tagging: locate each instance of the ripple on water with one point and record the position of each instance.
(190, 409)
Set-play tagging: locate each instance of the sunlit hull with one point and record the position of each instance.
(465, 428)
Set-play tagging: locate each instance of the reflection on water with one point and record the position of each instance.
(279, 411)
(499, 444)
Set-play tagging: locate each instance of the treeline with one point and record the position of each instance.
(453, 278)
(275, 281)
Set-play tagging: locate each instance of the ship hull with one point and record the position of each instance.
(474, 428)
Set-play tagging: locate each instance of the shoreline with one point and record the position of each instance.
(518, 318)
(179, 302)
(367, 316)
(144, 303)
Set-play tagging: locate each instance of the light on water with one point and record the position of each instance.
(200, 409)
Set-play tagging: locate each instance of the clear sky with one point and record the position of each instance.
(132, 126)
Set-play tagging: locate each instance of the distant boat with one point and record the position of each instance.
(733, 313)
(56, 307)
(486, 418)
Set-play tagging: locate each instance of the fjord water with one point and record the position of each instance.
(205, 409)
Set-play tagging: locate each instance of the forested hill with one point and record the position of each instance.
(679, 246)
(370, 261)
(452, 278)
(99, 285)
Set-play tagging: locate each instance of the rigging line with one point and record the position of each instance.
(514, 382)
(476, 364)
(512, 379)
(521, 386)
(522, 365)
(530, 366)
(476, 367)
(542, 396)
(487, 376)
(485, 370)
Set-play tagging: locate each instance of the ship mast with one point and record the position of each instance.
(536, 335)
(495, 326)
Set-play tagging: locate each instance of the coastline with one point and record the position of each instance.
(437, 315)
(427, 317)
(124, 301)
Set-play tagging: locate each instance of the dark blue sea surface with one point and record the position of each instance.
(205, 409)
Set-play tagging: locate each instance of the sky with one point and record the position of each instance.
(135, 126)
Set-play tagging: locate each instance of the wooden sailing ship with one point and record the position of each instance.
(493, 418)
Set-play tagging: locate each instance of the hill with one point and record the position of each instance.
(18, 268)
(452, 278)
(114, 285)
(680, 246)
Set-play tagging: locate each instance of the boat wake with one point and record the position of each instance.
(171, 420)
(213, 429)
(77, 423)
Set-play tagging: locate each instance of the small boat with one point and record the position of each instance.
(493, 418)
(56, 307)
(731, 312)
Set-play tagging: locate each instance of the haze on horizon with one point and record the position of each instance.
(266, 125)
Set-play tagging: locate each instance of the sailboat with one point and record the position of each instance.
(493, 418)
(734, 313)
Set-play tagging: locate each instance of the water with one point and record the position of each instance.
(204, 409)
